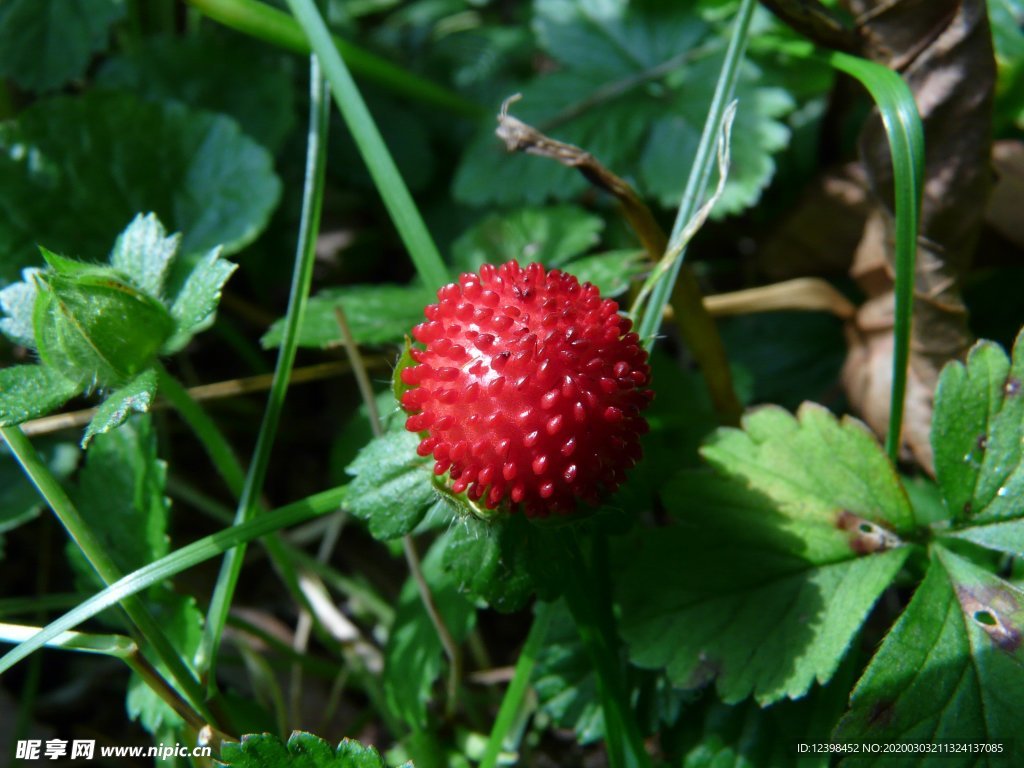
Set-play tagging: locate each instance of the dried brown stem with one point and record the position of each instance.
(217, 390)
(696, 325)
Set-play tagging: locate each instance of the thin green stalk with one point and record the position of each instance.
(180, 560)
(597, 633)
(512, 702)
(302, 279)
(266, 23)
(54, 495)
(406, 216)
(700, 171)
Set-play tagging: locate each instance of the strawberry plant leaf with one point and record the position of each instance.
(102, 326)
(17, 301)
(633, 90)
(976, 435)
(143, 253)
(30, 391)
(565, 682)
(746, 593)
(391, 488)
(1003, 537)
(195, 303)
(758, 134)
(551, 236)
(120, 494)
(492, 561)
(302, 750)
(45, 43)
(414, 656)
(214, 71)
(776, 454)
(376, 314)
(951, 669)
(748, 736)
(137, 395)
(60, 157)
(611, 271)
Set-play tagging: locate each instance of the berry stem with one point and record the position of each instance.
(591, 611)
(516, 691)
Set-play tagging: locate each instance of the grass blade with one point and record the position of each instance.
(700, 171)
(406, 216)
(302, 279)
(895, 103)
(905, 132)
(267, 23)
(176, 562)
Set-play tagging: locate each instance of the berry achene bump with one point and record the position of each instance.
(530, 388)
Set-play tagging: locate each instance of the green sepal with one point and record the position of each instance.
(405, 360)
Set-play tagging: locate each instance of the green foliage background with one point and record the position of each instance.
(750, 588)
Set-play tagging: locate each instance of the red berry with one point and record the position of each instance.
(530, 388)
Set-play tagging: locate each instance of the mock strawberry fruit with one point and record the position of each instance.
(530, 389)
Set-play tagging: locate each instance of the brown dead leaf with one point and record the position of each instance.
(1004, 209)
(820, 234)
(944, 50)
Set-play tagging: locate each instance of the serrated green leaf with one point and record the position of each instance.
(195, 304)
(17, 301)
(757, 135)
(413, 656)
(19, 499)
(951, 670)
(215, 71)
(551, 236)
(565, 682)
(120, 496)
(780, 456)
(489, 175)
(749, 736)
(45, 43)
(490, 561)
(137, 395)
(30, 391)
(1006, 536)
(74, 170)
(976, 435)
(93, 328)
(746, 592)
(391, 488)
(303, 750)
(634, 92)
(143, 253)
(611, 272)
(376, 314)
